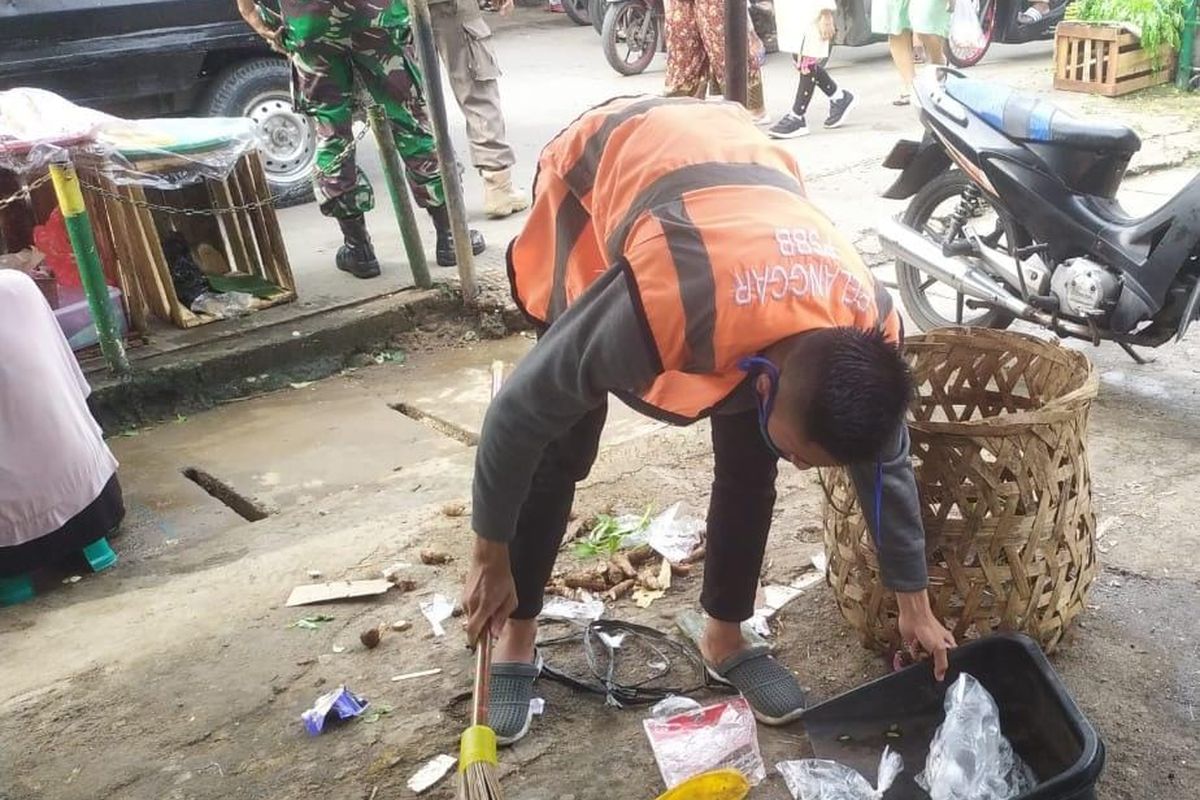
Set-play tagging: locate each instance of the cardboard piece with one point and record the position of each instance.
(309, 593)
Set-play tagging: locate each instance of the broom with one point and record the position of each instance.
(477, 779)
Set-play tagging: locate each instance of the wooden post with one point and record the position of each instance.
(737, 58)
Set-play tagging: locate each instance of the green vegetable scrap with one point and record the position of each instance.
(608, 533)
(375, 715)
(1158, 22)
(390, 357)
(311, 623)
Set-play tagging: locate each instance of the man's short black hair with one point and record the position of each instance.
(861, 389)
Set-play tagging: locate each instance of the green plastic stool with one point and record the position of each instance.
(15, 590)
(99, 555)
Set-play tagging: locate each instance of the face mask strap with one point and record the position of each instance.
(755, 365)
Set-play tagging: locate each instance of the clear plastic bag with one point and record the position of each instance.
(714, 737)
(672, 537)
(673, 705)
(965, 30)
(37, 127)
(223, 305)
(821, 779)
(969, 758)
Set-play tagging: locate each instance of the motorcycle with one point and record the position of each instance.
(639, 30)
(577, 11)
(632, 33)
(1013, 216)
(1000, 21)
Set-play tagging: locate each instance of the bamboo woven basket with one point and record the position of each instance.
(998, 426)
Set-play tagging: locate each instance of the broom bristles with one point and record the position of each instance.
(479, 782)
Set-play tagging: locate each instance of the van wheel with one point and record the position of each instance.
(261, 90)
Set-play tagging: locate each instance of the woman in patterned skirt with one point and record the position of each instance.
(696, 53)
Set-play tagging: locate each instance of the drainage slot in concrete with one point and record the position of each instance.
(448, 429)
(247, 508)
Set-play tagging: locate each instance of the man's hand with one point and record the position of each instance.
(506, 7)
(490, 594)
(918, 625)
(274, 37)
(826, 26)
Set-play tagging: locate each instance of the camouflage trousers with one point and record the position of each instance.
(333, 43)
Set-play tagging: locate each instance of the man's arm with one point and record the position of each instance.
(595, 348)
(249, 11)
(901, 543)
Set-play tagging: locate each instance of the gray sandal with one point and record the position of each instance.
(509, 708)
(767, 685)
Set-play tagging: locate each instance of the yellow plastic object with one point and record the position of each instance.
(478, 745)
(720, 784)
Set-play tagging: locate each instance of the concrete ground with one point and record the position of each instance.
(179, 673)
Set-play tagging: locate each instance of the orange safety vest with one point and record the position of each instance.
(709, 220)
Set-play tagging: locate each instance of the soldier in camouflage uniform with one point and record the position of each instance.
(331, 43)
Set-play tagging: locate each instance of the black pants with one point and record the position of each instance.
(739, 513)
(818, 78)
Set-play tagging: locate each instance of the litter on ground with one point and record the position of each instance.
(309, 593)
(427, 776)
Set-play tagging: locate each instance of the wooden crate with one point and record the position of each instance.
(245, 241)
(1105, 59)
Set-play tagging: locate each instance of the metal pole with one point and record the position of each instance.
(91, 274)
(393, 172)
(427, 51)
(737, 57)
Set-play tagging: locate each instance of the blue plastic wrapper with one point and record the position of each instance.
(341, 702)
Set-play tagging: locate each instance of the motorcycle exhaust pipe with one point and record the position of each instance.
(910, 246)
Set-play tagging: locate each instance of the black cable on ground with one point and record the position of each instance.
(601, 657)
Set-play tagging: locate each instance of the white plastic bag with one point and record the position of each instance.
(714, 737)
(969, 756)
(674, 537)
(965, 30)
(821, 779)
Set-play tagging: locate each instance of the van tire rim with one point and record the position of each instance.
(287, 137)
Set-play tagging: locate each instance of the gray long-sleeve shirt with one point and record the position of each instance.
(597, 347)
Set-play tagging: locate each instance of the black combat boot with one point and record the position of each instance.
(357, 256)
(445, 237)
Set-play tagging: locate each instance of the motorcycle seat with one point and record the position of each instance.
(1028, 118)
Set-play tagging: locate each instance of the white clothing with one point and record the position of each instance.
(53, 459)
(797, 29)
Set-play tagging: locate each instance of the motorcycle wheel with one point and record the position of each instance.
(970, 56)
(630, 36)
(577, 10)
(596, 11)
(929, 302)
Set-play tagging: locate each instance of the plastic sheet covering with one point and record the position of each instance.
(36, 127)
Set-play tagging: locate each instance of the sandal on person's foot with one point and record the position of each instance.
(770, 689)
(902, 100)
(510, 711)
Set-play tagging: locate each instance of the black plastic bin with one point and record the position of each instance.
(1036, 714)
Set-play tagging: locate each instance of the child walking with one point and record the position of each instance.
(806, 29)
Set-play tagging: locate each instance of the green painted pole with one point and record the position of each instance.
(393, 172)
(1187, 45)
(91, 274)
